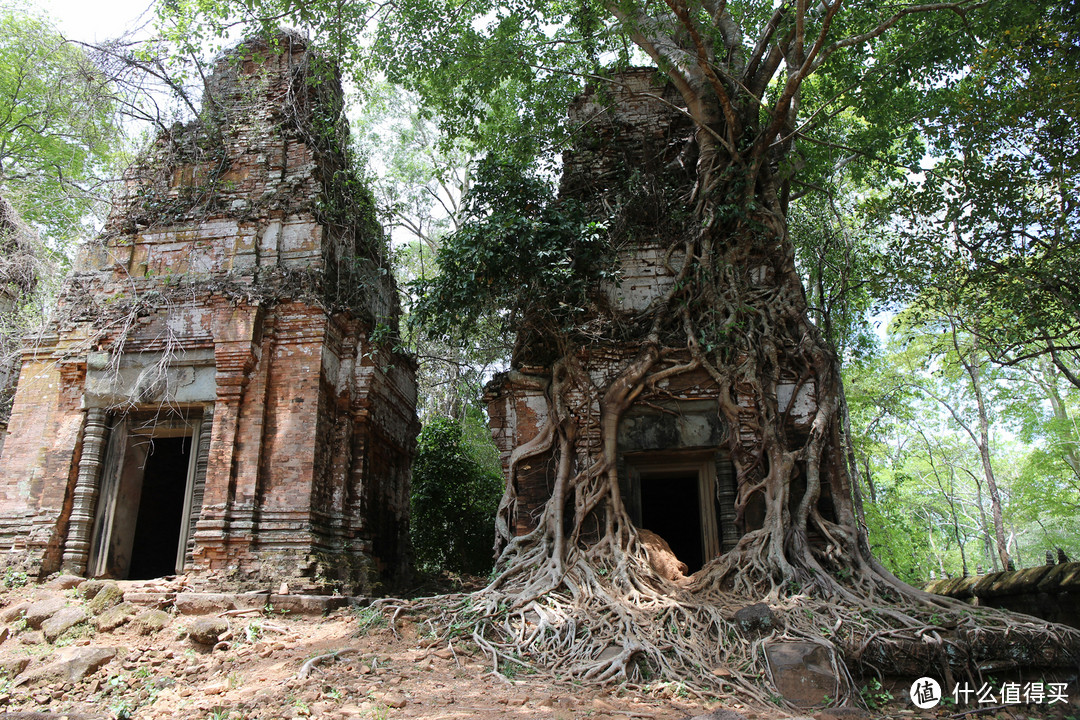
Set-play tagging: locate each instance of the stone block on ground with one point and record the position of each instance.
(64, 582)
(89, 588)
(205, 631)
(13, 666)
(661, 556)
(251, 600)
(62, 621)
(148, 599)
(756, 618)
(32, 637)
(115, 616)
(195, 603)
(803, 672)
(110, 595)
(307, 604)
(14, 612)
(42, 610)
(70, 666)
(152, 621)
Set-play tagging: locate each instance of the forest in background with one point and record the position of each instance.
(937, 255)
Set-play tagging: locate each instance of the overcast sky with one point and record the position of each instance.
(91, 21)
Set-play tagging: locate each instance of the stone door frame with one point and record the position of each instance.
(122, 464)
(641, 465)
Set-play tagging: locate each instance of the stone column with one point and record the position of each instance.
(212, 527)
(84, 503)
(201, 461)
(237, 333)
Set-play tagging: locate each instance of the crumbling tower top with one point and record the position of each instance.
(223, 349)
(265, 158)
(630, 124)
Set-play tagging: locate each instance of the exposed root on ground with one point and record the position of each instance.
(605, 624)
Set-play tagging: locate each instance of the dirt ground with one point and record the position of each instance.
(257, 670)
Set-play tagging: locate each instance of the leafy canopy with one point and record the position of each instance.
(991, 229)
(519, 251)
(57, 130)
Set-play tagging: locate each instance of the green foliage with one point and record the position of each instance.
(991, 226)
(57, 131)
(368, 618)
(839, 251)
(520, 253)
(874, 695)
(455, 493)
(14, 578)
(928, 507)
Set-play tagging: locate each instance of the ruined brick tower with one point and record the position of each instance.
(676, 455)
(219, 395)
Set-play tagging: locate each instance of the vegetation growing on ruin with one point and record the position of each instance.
(801, 118)
(785, 101)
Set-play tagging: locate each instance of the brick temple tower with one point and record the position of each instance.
(218, 394)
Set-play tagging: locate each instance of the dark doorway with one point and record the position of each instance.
(671, 508)
(161, 509)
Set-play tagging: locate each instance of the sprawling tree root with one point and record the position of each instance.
(577, 597)
(623, 623)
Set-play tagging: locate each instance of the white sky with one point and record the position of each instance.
(91, 21)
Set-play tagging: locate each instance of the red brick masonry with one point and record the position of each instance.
(232, 301)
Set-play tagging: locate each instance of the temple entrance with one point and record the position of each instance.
(144, 512)
(671, 508)
(680, 496)
(161, 509)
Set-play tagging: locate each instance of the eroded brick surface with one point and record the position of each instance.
(232, 300)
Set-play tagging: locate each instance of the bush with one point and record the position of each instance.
(456, 486)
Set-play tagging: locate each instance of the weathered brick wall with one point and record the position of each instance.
(240, 277)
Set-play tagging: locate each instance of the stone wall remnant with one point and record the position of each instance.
(219, 394)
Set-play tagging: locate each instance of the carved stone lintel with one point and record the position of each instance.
(84, 503)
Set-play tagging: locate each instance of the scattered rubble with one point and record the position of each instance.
(249, 665)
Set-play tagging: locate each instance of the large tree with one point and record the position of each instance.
(770, 90)
(58, 139)
(58, 135)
